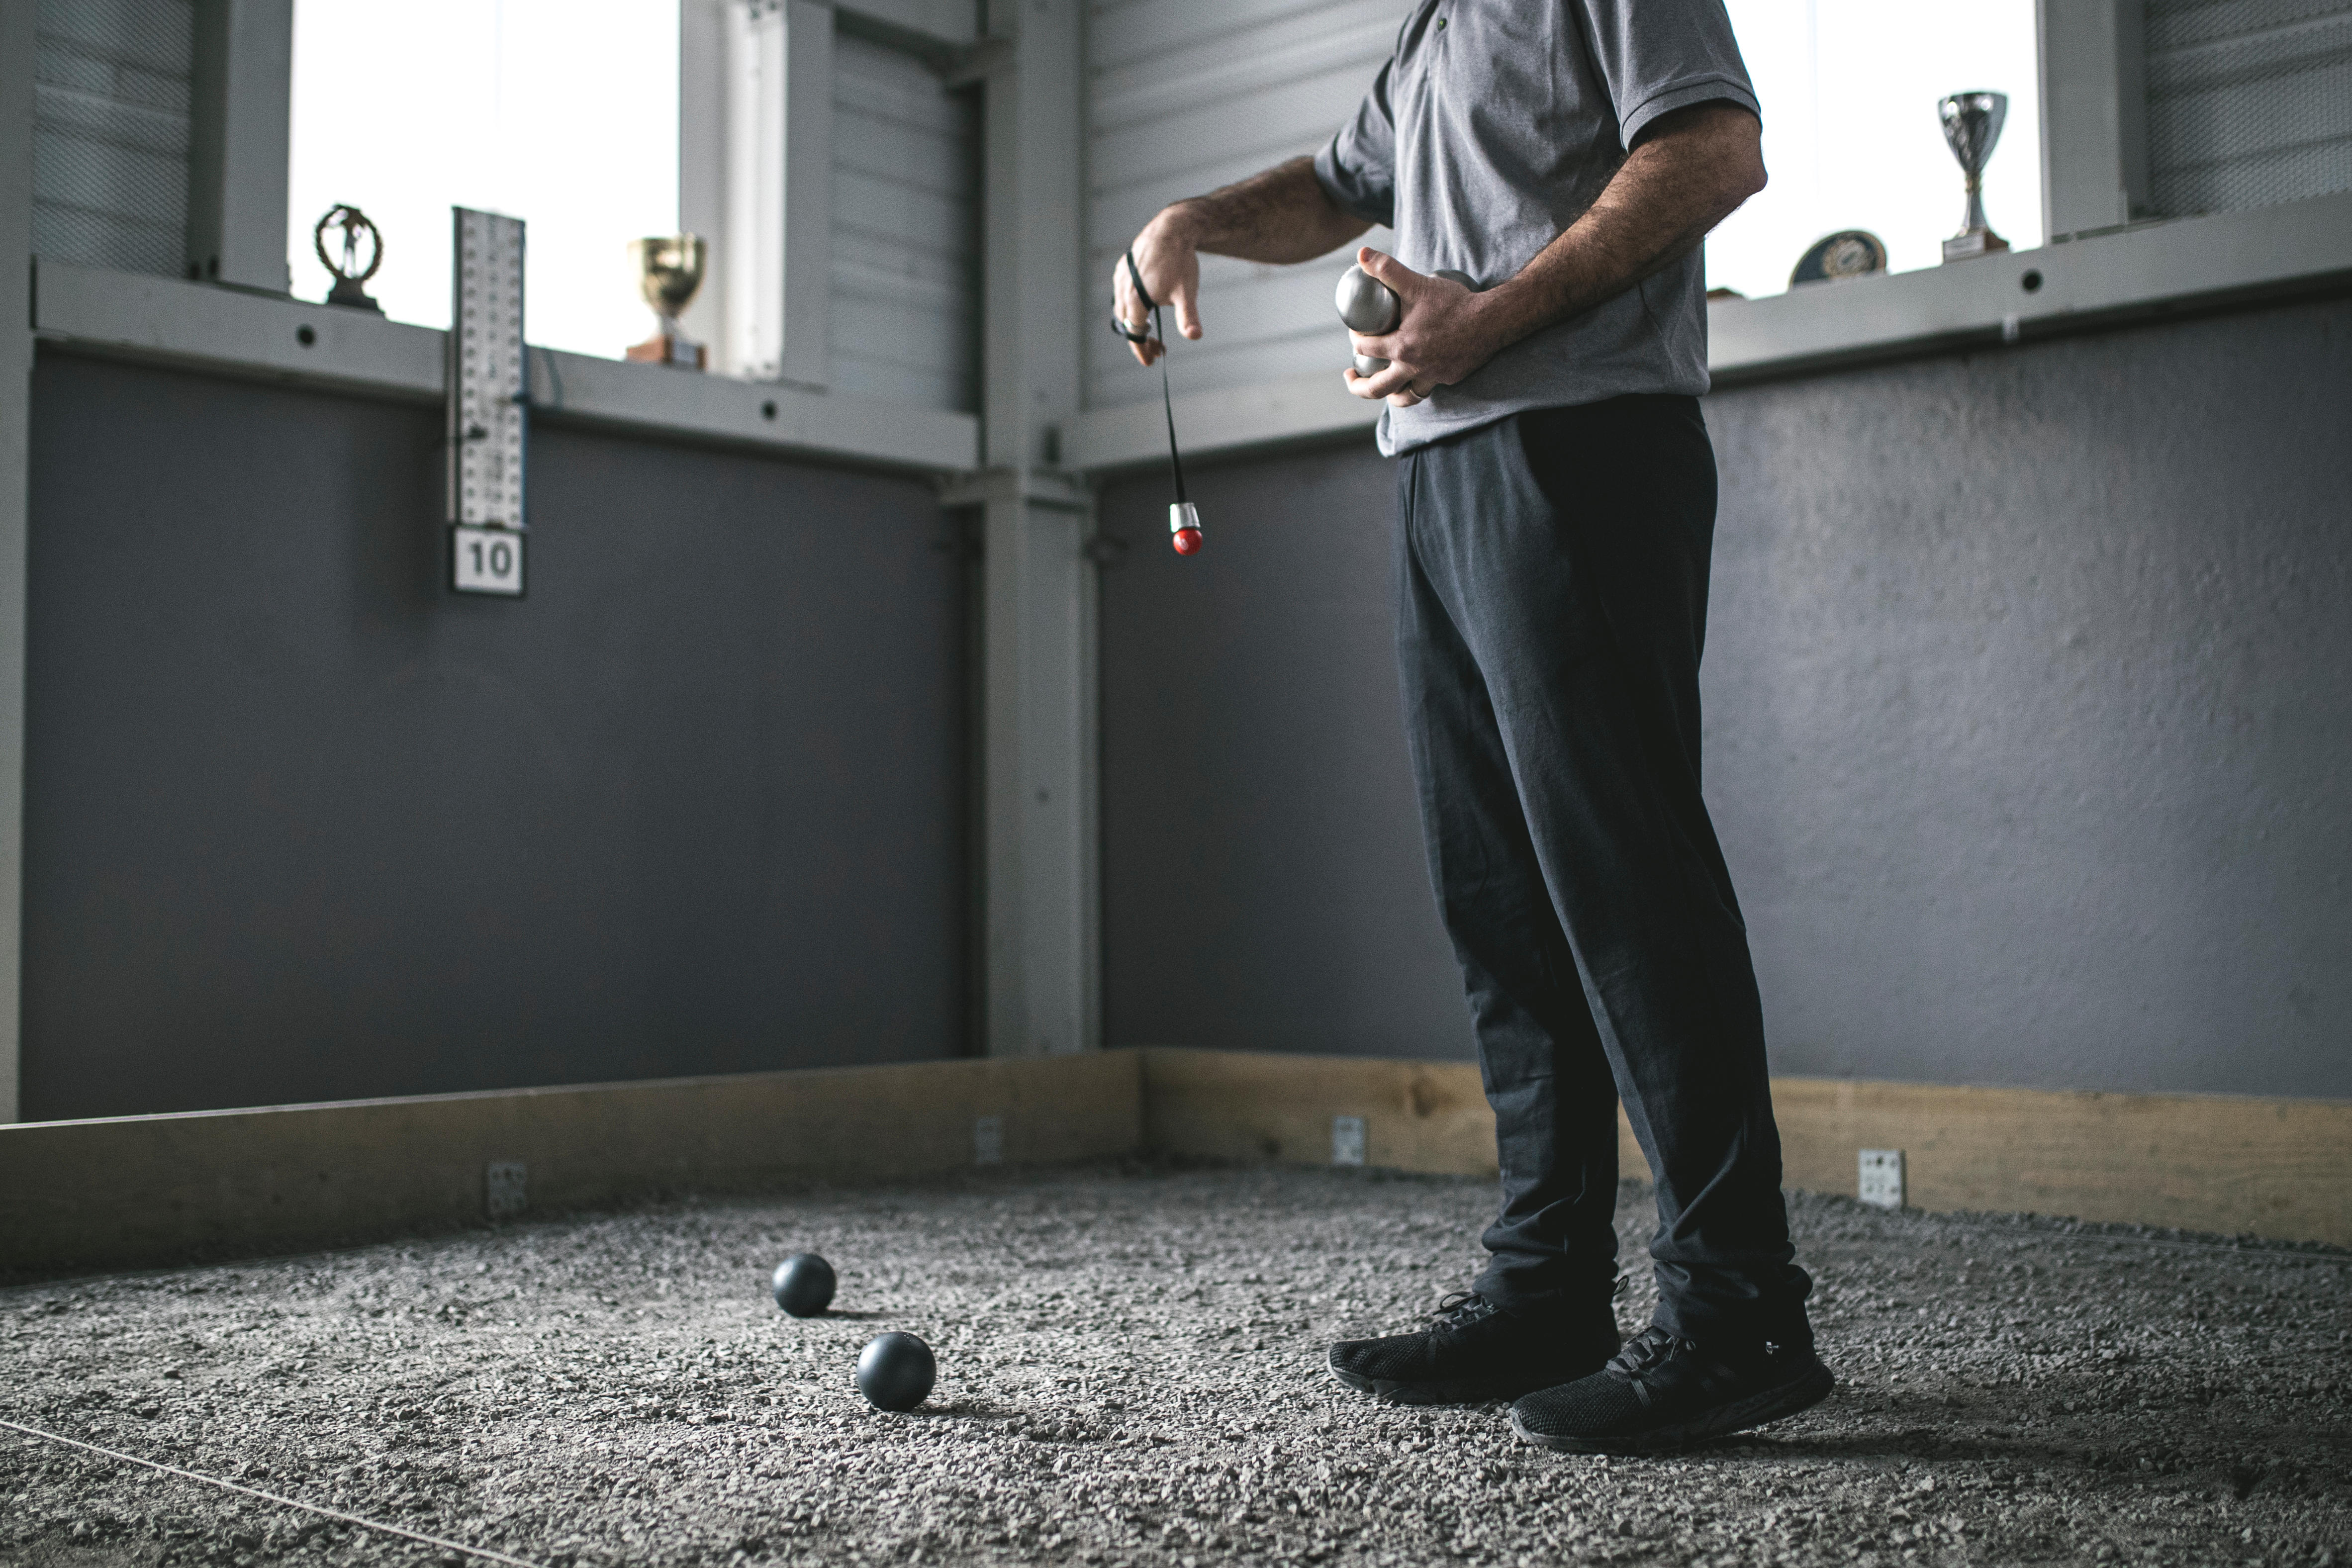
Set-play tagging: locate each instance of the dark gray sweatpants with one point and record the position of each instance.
(1552, 576)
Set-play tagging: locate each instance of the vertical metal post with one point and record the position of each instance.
(805, 305)
(1039, 773)
(16, 48)
(2093, 114)
(702, 158)
(242, 88)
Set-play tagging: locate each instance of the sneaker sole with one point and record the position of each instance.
(1389, 1390)
(1801, 1393)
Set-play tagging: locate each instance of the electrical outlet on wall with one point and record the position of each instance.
(988, 1141)
(503, 1196)
(1881, 1183)
(1347, 1140)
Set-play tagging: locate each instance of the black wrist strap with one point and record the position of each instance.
(1167, 397)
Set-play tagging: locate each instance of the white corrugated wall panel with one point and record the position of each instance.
(1183, 96)
(110, 133)
(2249, 102)
(906, 234)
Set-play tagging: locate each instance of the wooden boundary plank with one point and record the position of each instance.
(133, 1191)
(2281, 1169)
(139, 1191)
(1257, 1106)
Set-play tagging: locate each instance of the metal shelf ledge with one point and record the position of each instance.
(199, 326)
(2095, 281)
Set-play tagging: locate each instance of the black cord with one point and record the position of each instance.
(1167, 397)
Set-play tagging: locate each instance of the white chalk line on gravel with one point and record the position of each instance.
(334, 1513)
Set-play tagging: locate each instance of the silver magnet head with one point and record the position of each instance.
(1366, 304)
(1369, 364)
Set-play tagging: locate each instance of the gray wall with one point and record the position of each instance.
(2029, 728)
(301, 825)
(1263, 887)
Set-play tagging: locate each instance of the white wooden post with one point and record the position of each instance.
(1039, 610)
(755, 176)
(2093, 115)
(241, 83)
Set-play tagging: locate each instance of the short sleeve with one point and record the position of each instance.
(1658, 56)
(1357, 168)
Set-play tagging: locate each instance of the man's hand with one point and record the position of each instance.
(1167, 254)
(1442, 333)
(1282, 215)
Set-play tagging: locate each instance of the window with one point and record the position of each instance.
(1850, 137)
(561, 112)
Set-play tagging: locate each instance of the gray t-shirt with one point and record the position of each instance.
(1495, 125)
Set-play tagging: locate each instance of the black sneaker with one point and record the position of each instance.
(1478, 1352)
(1665, 1392)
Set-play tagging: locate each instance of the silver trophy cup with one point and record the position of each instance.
(1972, 122)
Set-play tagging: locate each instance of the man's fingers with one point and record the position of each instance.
(1188, 310)
(1390, 379)
(1386, 268)
(1129, 310)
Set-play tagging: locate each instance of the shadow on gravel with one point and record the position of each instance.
(1913, 1443)
(963, 1411)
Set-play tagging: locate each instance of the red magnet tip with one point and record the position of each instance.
(1186, 541)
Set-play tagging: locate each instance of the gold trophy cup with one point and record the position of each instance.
(669, 269)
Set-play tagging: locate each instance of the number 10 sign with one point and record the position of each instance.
(486, 561)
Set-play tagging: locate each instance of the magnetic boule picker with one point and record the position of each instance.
(1184, 518)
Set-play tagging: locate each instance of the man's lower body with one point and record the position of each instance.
(1552, 577)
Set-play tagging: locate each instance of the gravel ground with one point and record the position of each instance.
(1131, 1373)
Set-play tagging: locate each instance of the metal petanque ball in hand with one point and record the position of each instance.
(1368, 306)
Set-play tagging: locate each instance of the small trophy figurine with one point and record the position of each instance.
(349, 274)
(1971, 127)
(669, 269)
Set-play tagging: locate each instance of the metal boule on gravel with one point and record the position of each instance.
(804, 1284)
(896, 1371)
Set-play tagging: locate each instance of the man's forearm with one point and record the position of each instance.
(1281, 215)
(1670, 190)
